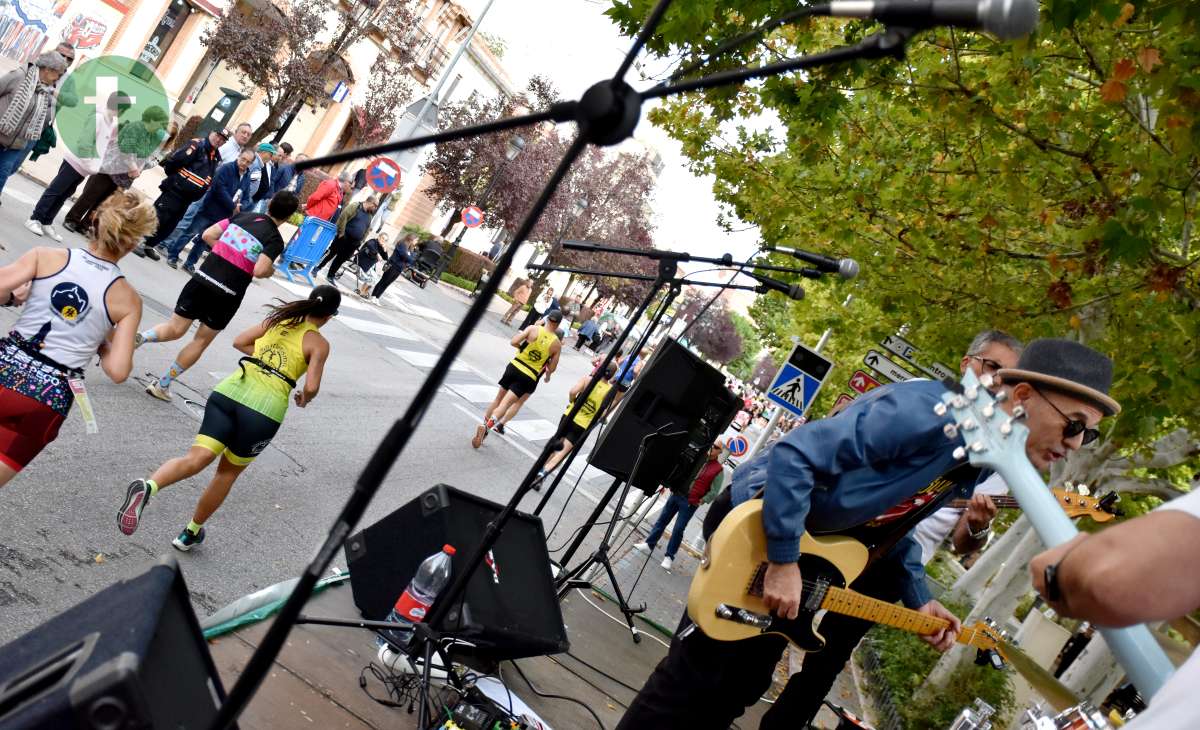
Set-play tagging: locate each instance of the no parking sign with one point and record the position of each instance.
(472, 216)
(738, 446)
(383, 175)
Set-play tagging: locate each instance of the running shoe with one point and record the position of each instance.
(667, 563)
(49, 231)
(136, 497)
(159, 392)
(499, 428)
(186, 540)
(34, 227)
(643, 547)
(138, 340)
(173, 263)
(481, 432)
(536, 484)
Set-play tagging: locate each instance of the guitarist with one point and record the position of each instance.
(871, 472)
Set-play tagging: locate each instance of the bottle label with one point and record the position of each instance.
(411, 607)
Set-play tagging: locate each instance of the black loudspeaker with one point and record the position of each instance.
(509, 609)
(130, 657)
(676, 392)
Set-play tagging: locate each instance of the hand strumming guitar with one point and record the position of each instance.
(782, 588)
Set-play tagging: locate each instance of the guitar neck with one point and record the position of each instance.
(849, 603)
(1001, 501)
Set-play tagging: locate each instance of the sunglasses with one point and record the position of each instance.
(1072, 427)
(989, 365)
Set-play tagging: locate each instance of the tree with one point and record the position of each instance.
(462, 169)
(1046, 186)
(278, 51)
(713, 334)
(743, 365)
(764, 372)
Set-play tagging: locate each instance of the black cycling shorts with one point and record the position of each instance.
(232, 429)
(517, 381)
(210, 307)
(571, 431)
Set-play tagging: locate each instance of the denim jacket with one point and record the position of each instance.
(839, 472)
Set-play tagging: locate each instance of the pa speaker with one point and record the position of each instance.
(676, 393)
(130, 657)
(509, 609)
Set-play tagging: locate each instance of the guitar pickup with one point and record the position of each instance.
(743, 616)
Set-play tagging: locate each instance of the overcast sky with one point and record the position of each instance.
(574, 44)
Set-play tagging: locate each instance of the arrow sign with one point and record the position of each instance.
(799, 380)
(900, 347)
(886, 367)
(842, 401)
(942, 371)
(861, 382)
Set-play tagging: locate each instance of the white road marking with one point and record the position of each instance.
(475, 393)
(378, 328)
(426, 313)
(532, 429)
(426, 359)
(19, 196)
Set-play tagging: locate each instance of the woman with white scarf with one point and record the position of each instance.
(26, 107)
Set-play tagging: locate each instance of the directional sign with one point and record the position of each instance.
(383, 175)
(799, 380)
(738, 446)
(472, 216)
(861, 382)
(900, 347)
(842, 401)
(942, 371)
(887, 368)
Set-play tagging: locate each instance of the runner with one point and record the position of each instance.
(246, 409)
(243, 248)
(573, 432)
(60, 329)
(631, 367)
(539, 348)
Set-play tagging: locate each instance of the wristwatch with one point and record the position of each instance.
(982, 533)
(1050, 578)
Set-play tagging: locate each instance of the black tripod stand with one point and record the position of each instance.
(572, 579)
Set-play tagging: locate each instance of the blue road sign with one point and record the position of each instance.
(799, 380)
(738, 446)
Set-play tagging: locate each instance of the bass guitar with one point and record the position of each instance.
(995, 439)
(1075, 504)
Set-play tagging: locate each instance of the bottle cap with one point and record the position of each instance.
(448, 549)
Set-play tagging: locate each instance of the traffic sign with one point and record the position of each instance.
(472, 216)
(383, 175)
(887, 368)
(799, 380)
(899, 347)
(861, 382)
(942, 371)
(842, 401)
(738, 446)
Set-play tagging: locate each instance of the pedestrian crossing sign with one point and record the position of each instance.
(799, 380)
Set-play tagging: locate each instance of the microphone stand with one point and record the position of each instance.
(606, 115)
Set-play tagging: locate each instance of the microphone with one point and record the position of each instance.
(766, 283)
(1005, 19)
(845, 268)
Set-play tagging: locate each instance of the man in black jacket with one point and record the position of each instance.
(190, 171)
(352, 226)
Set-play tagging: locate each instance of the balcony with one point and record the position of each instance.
(428, 55)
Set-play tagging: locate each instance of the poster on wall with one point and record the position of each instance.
(29, 26)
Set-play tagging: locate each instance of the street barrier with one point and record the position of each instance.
(307, 248)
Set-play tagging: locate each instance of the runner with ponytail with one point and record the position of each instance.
(246, 409)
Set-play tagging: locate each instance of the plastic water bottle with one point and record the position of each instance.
(412, 605)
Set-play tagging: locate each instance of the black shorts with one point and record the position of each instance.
(232, 429)
(517, 381)
(212, 308)
(624, 387)
(571, 431)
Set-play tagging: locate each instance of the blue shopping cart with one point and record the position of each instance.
(307, 247)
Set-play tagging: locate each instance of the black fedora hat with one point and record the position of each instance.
(1067, 367)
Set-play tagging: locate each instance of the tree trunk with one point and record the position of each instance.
(590, 292)
(450, 223)
(972, 583)
(274, 116)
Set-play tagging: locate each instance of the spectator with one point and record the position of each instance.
(587, 330)
(541, 307)
(400, 259)
(352, 225)
(65, 96)
(26, 108)
(682, 506)
(260, 185)
(190, 171)
(285, 168)
(296, 183)
(137, 142)
(227, 152)
(494, 252)
(520, 297)
(369, 255)
(219, 203)
(233, 147)
(327, 198)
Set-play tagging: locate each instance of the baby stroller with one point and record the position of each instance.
(423, 267)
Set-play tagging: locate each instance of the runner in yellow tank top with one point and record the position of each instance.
(574, 431)
(537, 358)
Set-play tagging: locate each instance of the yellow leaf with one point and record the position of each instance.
(1148, 58)
(1113, 91)
(1123, 70)
(1076, 323)
(1127, 11)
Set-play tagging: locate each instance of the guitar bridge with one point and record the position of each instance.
(742, 616)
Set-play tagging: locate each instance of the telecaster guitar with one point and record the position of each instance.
(996, 440)
(725, 599)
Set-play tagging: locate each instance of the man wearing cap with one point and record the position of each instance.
(262, 172)
(189, 171)
(872, 473)
(230, 183)
(538, 348)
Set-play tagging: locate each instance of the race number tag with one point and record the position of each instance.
(85, 405)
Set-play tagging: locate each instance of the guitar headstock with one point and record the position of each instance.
(992, 436)
(1077, 502)
(990, 640)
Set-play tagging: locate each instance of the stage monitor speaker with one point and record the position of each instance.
(510, 609)
(676, 392)
(130, 657)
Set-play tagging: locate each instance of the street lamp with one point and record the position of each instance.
(516, 144)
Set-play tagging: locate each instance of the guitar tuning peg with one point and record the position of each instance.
(940, 409)
(971, 392)
(1069, 488)
(959, 453)
(1018, 412)
(977, 447)
(986, 380)
(1083, 490)
(970, 424)
(950, 430)
(1001, 396)
(989, 410)
(1006, 427)
(958, 402)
